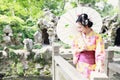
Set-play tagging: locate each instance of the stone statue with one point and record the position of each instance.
(51, 33)
(7, 34)
(7, 30)
(48, 22)
(38, 37)
(28, 44)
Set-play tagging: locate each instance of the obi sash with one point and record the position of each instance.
(87, 57)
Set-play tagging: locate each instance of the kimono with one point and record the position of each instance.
(95, 53)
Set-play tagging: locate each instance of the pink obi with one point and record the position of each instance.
(87, 57)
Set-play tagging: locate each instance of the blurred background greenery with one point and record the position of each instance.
(22, 15)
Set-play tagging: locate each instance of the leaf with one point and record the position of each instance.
(67, 25)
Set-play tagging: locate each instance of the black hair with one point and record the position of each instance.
(84, 20)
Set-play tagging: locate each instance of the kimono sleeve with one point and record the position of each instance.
(100, 51)
(74, 50)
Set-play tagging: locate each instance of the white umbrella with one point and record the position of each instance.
(66, 28)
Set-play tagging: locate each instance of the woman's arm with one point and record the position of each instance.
(100, 54)
(76, 50)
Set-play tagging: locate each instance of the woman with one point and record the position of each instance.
(89, 56)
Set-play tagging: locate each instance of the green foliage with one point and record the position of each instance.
(107, 9)
(36, 71)
(116, 52)
(30, 22)
(14, 57)
(46, 72)
(21, 8)
(4, 20)
(74, 4)
(86, 1)
(29, 32)
(66, 46)
(12, 70)
(16, 47)
(31, 7)
(31, 56)
(20, 70)
(14, 21)
(56, 6)
(104, 36)
(1, 48)
(37, 46)
(22, 15)
(38, 59)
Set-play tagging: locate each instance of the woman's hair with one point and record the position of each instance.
(84, 20)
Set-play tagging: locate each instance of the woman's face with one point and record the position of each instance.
(81, 28)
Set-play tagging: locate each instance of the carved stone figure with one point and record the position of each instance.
(38, 37)
(7, 34)
(28, 44)
(48, 24)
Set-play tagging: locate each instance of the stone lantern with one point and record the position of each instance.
(7, 34)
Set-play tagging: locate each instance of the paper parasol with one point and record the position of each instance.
(66, 28)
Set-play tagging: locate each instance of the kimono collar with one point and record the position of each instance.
(90, 34)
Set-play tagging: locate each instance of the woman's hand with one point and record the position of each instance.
(75, 60)
(76, 52)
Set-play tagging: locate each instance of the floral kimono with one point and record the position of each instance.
(87, 61)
